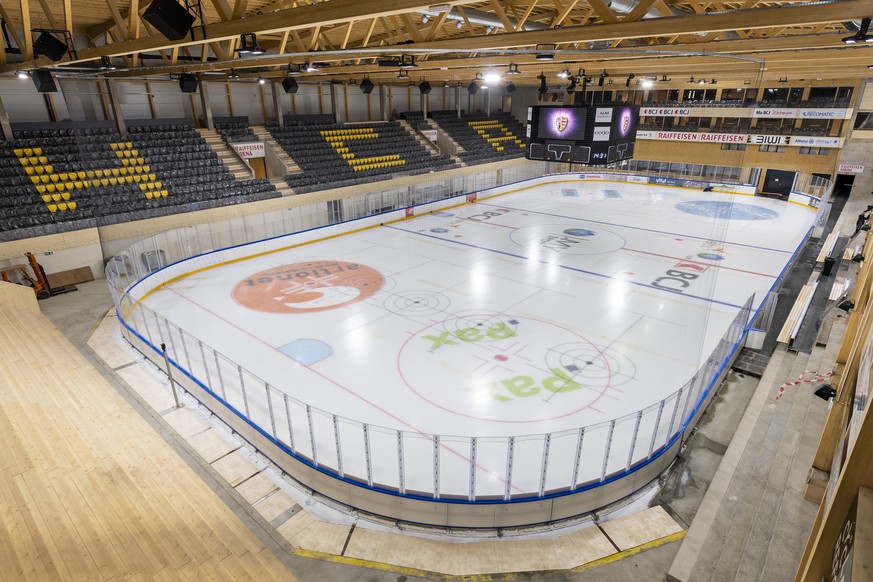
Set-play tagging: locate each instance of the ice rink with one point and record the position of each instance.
(544, 309)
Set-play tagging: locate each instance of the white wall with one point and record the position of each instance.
(80, 100)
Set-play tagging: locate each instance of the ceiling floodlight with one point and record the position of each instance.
(513, 69)
(492, 78)
(248, 44)
(860, 36)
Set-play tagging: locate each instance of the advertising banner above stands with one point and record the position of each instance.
(430, 134)
(249, 149)
(753, 139)
(748, 112)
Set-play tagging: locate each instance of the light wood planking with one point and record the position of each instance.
(88, 490)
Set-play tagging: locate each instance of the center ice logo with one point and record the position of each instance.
(561, 123)
(308, 287)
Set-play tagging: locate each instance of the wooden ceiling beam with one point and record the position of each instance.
(501, 14)
(603, 11)
(48, 14)
(751, 19)
(27, 37)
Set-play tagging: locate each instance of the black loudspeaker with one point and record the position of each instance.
(424, 87)
(290, 85)
(188, 83)
(48, 45)
(44, 81)
(472, 88)
(170, 18)
(510, 88)
(367, 86)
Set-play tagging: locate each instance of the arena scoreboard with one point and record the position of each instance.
(592, 135)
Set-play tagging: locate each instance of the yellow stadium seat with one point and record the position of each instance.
(113, 181)
(24, 161)
(52, 208)
(119, 154)
(46, 198)
(114, 146)
(62, 206)
(152, 177)
(56, 197)
(96, 182)
(72, 205)
(124, 171)
(49, 169)
(54, 177)
(104, 181)
(50, 188)
(81, 175)
(143, 187)
(37, 151)
(164, 193)
(125, 162)
(34, 179)
(65, 196)
(129, 144)
(158, 185)
(40, 188)
(29, 170)
(115, 172)
(39, 169)
(98, 173)
(137, 178)
(44, 179)
(28, 151)
(18, 152)
(149, 194)
(60, 187)
(43, 160)
(77, 184)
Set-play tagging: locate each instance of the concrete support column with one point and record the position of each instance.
(334, 103)
(424, 100)
(488, 101)
(207, 108)
(458, 100)
(277, 103)
(383, 104)
(116, 106)
(4, 122)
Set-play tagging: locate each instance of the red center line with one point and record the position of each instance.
(345, 389)
(701, 263)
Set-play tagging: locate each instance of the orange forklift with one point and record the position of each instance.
(36, 279)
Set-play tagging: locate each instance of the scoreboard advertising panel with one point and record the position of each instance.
(591, 135)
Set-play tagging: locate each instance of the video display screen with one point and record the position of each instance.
(561, 123)
(624, 124)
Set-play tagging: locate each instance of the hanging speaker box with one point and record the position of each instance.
(170, 18)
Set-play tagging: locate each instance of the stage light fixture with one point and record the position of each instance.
(492, 78)
(425, 18)
(861, 36)
(408, 62)
(22, 75)
(571, 88)
(648, 83)
(564, 74)
(543, 89)
(248, 44)
(628, 82)
(513, 69)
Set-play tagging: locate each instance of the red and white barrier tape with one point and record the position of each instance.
(802, 379)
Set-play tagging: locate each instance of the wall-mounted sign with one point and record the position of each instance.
(850, 169)
(249, 149)
(753, 139)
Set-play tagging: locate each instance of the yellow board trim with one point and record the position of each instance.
(409, 571)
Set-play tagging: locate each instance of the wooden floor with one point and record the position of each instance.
(88, 489)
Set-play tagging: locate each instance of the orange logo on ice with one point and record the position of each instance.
(308, 287)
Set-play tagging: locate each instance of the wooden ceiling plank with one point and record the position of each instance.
(68, 16)
(527, 13)
(117, 19)
(239, 9)
(559, 19)
(467, 24)
(501, 14)
(313, 40)
(410, 28)
(345, 42)
(603, 11)
(435, 27)
(389, 30)
(27, 38)
(48, 14)
(223, 9)
(639, 11)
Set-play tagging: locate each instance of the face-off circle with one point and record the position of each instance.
(490, 366)
(417, 303)
(558, 239)
(595, 367)
(308, 287)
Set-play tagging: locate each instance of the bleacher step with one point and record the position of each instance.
(264, 134)
(228, 158)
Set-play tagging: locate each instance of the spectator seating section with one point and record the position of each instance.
(332, 155)
(484, 138)
(235, 131)
(60, 180)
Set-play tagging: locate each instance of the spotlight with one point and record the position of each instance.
(402, 75)
(425, 18)
(492, 78)
(543, 87)
(691, 80)
(460, 25)
(408, 62)
(545, 56)
(513, 70)
(861, 35)
(664, 78)
(248, 44)
(783, 79)
(309, 68)
(603, 76)
(489, 29)
(648, 83)
(564, 74)
(262, 81)
(825, 392)
(106, 64)
(232, 75)
(22, 75)
(629, 77)
(713, 82)
(701, 82)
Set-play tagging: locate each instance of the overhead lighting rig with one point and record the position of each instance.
(861, 35)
